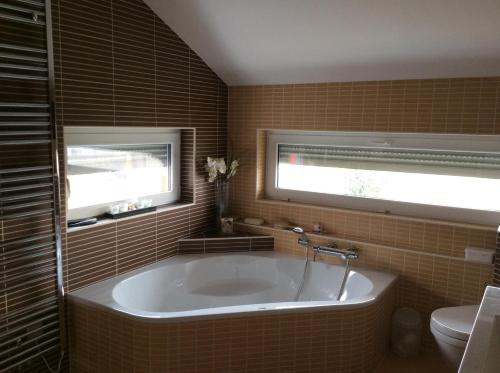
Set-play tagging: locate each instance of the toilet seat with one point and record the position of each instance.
(444, 338)
(454, 323)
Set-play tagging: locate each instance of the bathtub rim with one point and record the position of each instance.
(82, 295)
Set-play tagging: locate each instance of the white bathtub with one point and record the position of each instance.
(203, 286)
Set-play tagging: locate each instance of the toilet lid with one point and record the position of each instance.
(455, 322)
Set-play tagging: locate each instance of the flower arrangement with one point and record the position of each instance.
(221, 174)
(217, 168)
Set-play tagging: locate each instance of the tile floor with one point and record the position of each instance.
(426, 362)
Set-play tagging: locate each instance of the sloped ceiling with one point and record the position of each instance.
(249, 42)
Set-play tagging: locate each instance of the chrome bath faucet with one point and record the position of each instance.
(333, 250)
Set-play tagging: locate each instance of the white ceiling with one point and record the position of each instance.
(250, 42)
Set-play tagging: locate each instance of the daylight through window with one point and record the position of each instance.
(401, 173)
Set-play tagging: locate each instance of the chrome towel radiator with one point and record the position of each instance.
(32, 332)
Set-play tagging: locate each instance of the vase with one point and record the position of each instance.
(221, 202)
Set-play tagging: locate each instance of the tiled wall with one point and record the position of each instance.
(334, 340)
(428, 255)
(118, 64)
(226, 244)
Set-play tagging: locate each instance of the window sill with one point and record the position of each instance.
(106, 221)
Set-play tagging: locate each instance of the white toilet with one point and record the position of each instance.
(451, 327)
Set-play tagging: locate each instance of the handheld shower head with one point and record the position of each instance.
(303, 239)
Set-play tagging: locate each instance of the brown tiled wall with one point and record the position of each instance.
(114, 247)
(428, 255)
(334, 340)
(224, 245)
(118, 64)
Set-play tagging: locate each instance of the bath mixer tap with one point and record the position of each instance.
(303, 239)
(333, 249)
(345, 255)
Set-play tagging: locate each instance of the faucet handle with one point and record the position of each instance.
(352, 252)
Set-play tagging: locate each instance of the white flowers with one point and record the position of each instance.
(216, 166)
(233, 168)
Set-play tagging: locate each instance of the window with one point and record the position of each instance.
(107, 165)
(451, 177)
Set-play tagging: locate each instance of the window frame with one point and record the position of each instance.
(125, 136)
(424, 141)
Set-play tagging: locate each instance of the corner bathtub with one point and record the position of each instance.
(232, 313)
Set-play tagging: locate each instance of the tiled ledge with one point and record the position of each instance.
(106, 221)
(323, 236)
(482, 227)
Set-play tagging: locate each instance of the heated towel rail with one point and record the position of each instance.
(32, 333)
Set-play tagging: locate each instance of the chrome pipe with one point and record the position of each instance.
(26, 187)
(35, 309)
(19, 9)
(344, 280)
(20, 104)
(23, 67)
(32, 2)
(23, 114)
(22, 76)
(32, 20)
(304, 241)
(63, 330)
(24, 124)
(22, 48)
(26, 214)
